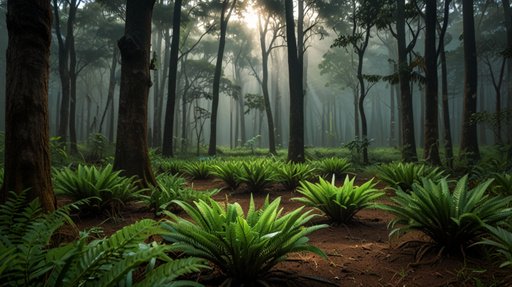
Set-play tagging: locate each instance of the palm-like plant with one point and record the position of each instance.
(340, 204)
(244, 248)
(403, 175)
(27, 260)
(291, 174)
(452, 219)
(329, 167)
(110, 191)
(257, 175)
(228, 172)
(198, 169)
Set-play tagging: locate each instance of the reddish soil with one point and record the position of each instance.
(359, 253)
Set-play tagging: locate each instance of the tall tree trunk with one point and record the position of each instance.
(111, 89)
(448, 145)
(508, 24)
(132, 134)
(64, 76)
(362, 95)
(158, 110)
(227, 9)
(27, 148)
(72, 85)
(431, 153)
(408, 140)
(469, 140)
(296, 138)
(157, 52)
(168, 141)
(264, 85)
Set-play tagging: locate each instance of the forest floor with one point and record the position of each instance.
(359, 253)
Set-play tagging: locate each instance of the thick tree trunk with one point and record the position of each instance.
(227, 9)
(431, 153)
(408, 140)
(469, 140)
(27, 150)
(168, 141)
(296, 138)
(132, 134)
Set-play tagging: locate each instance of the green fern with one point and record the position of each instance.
(400, 175)
(198, 169)
(291, 174)
(329, 167)
(172, 188)
(109, 191)
(501, 240)
(228, 172)
(244, 248)
(502, 183)
(340, 204)
(452, 219)
(257, 175)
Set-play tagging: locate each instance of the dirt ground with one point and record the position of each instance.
(359, 253)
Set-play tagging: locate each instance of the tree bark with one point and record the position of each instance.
(408, 140)
(469, 140)
(132, 134)
(27, 150)
(431, 152)
(168, 141)
(296, 137)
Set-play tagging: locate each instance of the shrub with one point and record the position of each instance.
(170, 188)
(329, 167)
(109, 191)
(291, 174)
(164, 165)
(244, 248)
(27, 260)
(400, 175)
(340, 204)
(257, 175)
(452, 219)
(197, 169)
(228, 172)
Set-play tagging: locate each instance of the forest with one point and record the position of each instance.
(255, 143)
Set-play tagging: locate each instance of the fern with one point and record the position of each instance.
(26, 258)
(245, 248)
(404, 175)
(108, 190)
(291, 174)
(337, 167)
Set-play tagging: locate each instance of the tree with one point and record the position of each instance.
(507, 13)
(27, 151)
(469, 141)
(131, 145)
(404, 75)
(227, 9)
(431, 95)
(168, 143)
(296, 138)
